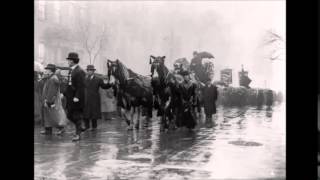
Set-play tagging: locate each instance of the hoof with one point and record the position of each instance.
(76, 138)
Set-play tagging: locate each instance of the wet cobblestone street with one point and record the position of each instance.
(244, 143)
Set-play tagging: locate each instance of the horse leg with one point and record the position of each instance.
(123, 114)
(161, 123)
(149, 111)
(138, 118)
(131, 118)
(168, 119)
(119, 111)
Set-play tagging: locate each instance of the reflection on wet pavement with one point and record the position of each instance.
(242, 143)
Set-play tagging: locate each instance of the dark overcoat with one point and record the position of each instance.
(92, 108)
(50, 93)
(210, 96)
(75, 90)
(187, 98)
(269, 100)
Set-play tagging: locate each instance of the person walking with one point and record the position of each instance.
(92, 110)
(53, 113)
(74, 93)
(210, 96)
(269, 99)
(187, 91)
(260, 99)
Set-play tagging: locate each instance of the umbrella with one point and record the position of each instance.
(204, 54)
(38, 67)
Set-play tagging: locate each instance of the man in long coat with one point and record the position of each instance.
(75, 93)
(269, 99)
(92, 110)
(50, 93)
(210, 96)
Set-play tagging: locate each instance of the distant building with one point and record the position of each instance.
(226, 76)
(244, 79)
(54, 23)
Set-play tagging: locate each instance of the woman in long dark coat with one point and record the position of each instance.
(210, 96)
(187, 93)
(92, 110)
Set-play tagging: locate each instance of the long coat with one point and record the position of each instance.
(50, 93)
(187, 115)
(92, 97)
(210, 96)
(75, 89)
(269, 100)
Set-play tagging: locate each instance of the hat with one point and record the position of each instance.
(90, 67)
(51, 67)
(73, 56)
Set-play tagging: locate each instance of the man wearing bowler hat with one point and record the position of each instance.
(75, 94)
(92, 110)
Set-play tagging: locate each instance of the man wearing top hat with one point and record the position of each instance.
(74, 93)
(92, 110)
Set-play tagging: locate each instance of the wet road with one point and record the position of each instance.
(244, 143)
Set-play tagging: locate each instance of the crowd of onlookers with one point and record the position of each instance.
(75, 98)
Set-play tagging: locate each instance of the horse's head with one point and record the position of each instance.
(112, 67)
(156, 63)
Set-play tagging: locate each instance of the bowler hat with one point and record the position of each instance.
(51, 67)
(90, 67)
(73, 56)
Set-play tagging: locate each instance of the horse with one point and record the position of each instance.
(132, 92)
(164, 91)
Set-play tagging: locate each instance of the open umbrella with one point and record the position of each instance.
(38, 67)
(204, 54)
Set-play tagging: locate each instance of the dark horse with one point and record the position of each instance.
(133, 92)
(164, 91)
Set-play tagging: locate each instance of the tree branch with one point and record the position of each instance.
(102, 36)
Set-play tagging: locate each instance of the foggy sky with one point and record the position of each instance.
(230, 30)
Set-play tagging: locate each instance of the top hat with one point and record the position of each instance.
(90, 67)
(51, 67)
(73, 56)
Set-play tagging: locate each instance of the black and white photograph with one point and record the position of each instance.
(160, 90)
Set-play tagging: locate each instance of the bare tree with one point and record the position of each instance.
(91, 34)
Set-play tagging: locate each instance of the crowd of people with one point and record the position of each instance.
(81, 95)
(82, 99)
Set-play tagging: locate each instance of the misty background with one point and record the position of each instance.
(235, 32)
